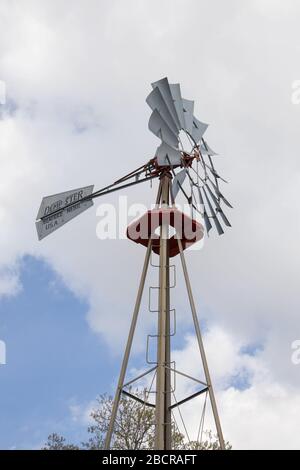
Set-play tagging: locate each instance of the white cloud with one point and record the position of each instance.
(81, 413)
(262, 415)
(9, 283)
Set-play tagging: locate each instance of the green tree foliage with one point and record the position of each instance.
(56, 442)
(134, 429)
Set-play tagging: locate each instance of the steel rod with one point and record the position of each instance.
(190, 397)
(187, 376)
(101, 192)
(134, 397)
(168, 398)
(139, 377)
(201, 347)
(128, 349)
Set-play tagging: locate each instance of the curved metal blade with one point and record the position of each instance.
(215, 218)
(188, 110)
(215, 174)
(164, 88)
(219, 194)
(198, 129)
(218, 207)
(212, 195)
(178, 181)
(200, 196)
(225, 220)
(159, 128)
(206, 150)
(177, 98)
(155, 101)
(208, 225)
(164, 151)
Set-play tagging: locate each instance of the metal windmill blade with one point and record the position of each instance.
(162, 129)
(172, 115)
(198, 129)
(218, 193)
(213, 214)
(178, 181)
(156, 101)
(188, 109)
(212, 200)
(164, 88)
(166, 153)
(177, 99)
(217, 206)
(207, 222)
(206, 150)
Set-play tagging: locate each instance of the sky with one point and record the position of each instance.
(76, 77)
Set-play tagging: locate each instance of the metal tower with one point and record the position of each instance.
(163, 403)
(172, 120)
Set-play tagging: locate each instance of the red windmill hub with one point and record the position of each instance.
(187, 229)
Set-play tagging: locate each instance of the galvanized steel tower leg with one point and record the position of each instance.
(162, 380)
(201, 347)
(128, 349)
(168, 413)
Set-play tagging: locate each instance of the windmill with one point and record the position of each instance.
(182, 159)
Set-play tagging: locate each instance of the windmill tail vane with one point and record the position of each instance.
(183, 163)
